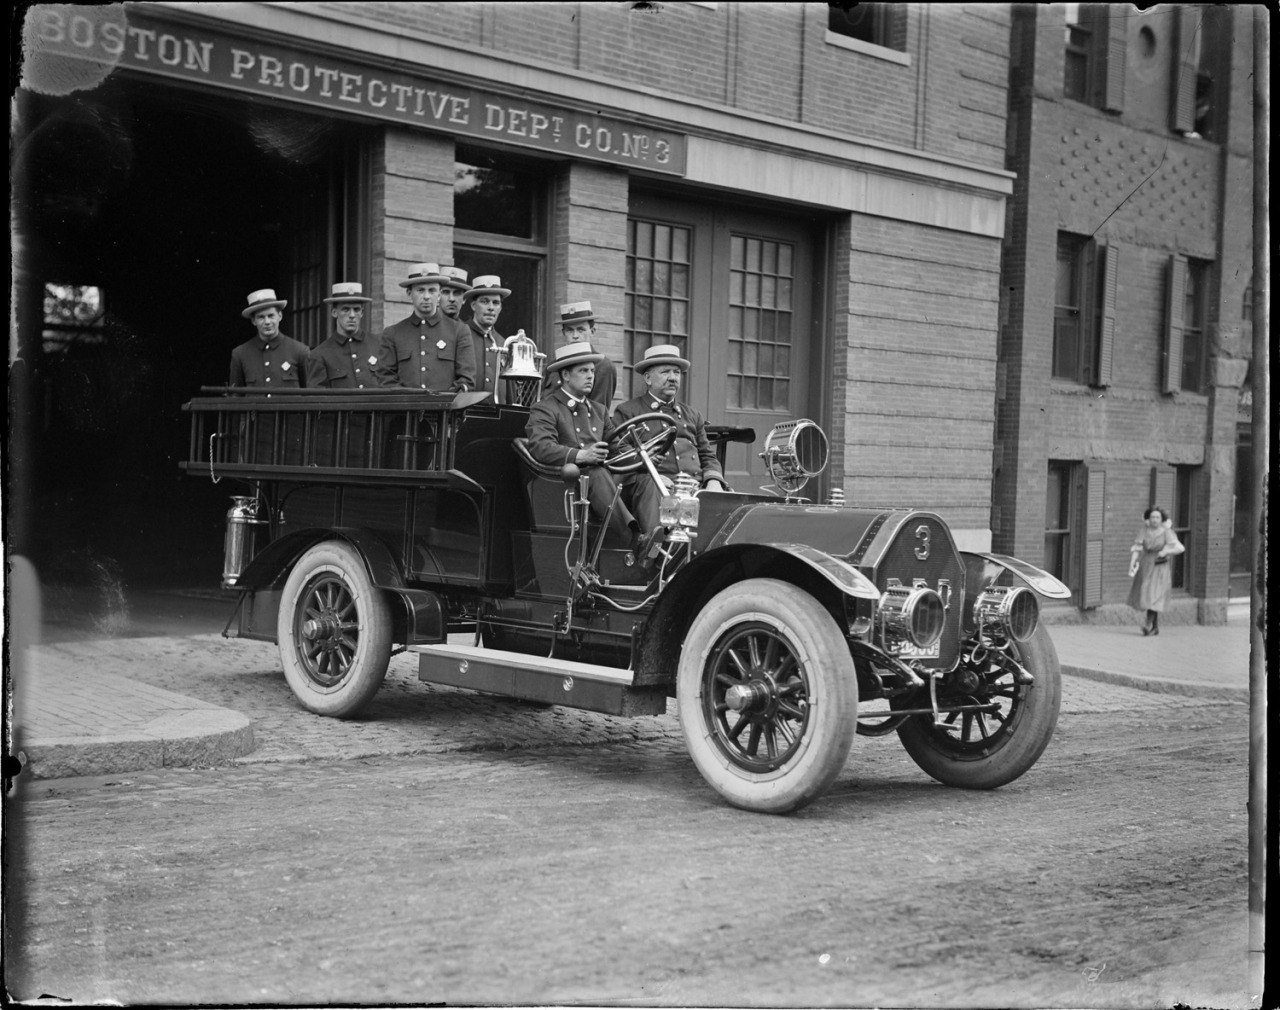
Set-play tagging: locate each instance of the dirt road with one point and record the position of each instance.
(1111, 875)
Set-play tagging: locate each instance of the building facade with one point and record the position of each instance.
(812, 202)
(1125, 324)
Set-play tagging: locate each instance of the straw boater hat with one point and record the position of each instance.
(347, 291)
(576, 312)
(455, 277)
(423, 273)
(660, 354)
(263, 298)
(577, 353)
(489, 284)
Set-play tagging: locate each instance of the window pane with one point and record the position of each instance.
(662, 242)
(753, 254)
(644, 276)
(644, 239)
(680, 281)
(680, 245)
(735, 356)
(661, 315)
(662, 278)
(679, 317)
(768, 291)
(737, 256)
(735, 323)
(733, 392)
(781, 394)
(491, 196)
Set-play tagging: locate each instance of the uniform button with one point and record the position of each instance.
(268, 378)
(423, 368)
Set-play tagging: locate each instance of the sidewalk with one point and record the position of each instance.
(86, 722)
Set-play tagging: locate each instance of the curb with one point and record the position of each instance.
(200, 737)
(1159, 685)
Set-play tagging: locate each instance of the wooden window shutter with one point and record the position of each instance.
(1173, 322)
(1117, 52)
(1095, 505)
(1182, 115)
(1107, 312)
(1161, 487)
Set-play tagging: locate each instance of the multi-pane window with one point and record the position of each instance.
(1194, 351)
(761, 278)
(1078, 59)
(877, 24)
(1057, 520)
(73, 314)
(1075, 310)
(1180, 513)
(499, 211)
(657, 289)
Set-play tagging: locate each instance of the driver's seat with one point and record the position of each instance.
(545, 487)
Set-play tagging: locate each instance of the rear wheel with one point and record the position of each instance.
(767, 696)
(987, 749)
(334, 631)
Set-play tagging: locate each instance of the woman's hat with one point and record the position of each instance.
(577, 353)
(423, 273)
(346, 291)
(455, 277)
(660, 354)
(263, 298)
(489, 284)
(576, 312)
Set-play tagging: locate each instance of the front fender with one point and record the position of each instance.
(839, 573)
(989, 567)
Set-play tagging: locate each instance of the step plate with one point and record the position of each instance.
(537, 678)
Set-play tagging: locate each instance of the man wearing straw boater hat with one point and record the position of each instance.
(663, 369)
(270, 359)
(346, 359)
(568, 427)
(428, 350)
(485, 295)
(452, 289)
(578, 322)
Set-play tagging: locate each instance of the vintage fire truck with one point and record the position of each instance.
(374, 520)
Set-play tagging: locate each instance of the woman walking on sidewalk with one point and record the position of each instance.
(1149, 567)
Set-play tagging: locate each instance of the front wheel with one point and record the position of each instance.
(988, 748)
(334, 630)
(767, 696)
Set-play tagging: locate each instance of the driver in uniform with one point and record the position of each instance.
(663, 369)
(568, 427)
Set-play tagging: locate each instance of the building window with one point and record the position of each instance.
(1193, 326)
(1074, 311)
(657, 289)
(1180, 512)
(883, 25)
(760, 286)
(1079, 59)
(500, 228)
(1095, 53)
(1058, 520)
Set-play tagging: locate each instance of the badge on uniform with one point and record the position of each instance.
(285, 366)
(441, 344)
(373, 359)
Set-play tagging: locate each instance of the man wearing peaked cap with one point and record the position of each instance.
(578, 322)
(428, 350)
(346, 359)
(452, 289)
(567, 427)
(662, 369)
(485, 295)
(271, 359)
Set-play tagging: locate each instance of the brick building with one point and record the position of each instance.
(1125, 320)
(810, 203)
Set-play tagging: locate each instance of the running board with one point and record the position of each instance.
(537, 678)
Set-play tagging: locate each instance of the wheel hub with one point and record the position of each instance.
(324, 626)
(748, 697)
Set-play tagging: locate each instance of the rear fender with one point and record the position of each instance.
(419, 620)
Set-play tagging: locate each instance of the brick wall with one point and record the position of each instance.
(921, 349)
(412, 197)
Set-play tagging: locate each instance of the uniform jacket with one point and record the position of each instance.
(430, 354)
(557, 428)
(485, 354)
(692, 452)
(281, 363)
(601, 392)
(344, 362)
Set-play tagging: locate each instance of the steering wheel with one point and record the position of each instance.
(627, 453)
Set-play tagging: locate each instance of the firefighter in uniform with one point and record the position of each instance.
(346, 359)
(428, 350)
(578, 322)
(568, 427)
(485, 296)
(270, 359)
(663, 369)
(452, 289)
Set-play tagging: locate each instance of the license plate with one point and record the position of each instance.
(909, 651)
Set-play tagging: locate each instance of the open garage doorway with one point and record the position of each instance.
(144, 214)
